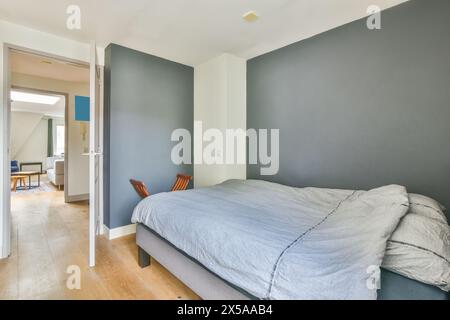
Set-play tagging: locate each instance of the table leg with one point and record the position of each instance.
(29, 182)
(39, 179)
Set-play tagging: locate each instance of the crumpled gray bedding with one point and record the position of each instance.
(280, 242)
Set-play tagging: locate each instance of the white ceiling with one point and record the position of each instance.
(191, 31)
(47, 68)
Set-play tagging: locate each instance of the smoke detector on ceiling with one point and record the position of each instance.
(250, 16)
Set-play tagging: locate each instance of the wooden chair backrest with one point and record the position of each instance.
(140, 188)
(182, 182)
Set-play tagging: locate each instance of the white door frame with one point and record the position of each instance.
(100, 148)
(95, 154)
(93, 196)
(5, 218)
(5, 188)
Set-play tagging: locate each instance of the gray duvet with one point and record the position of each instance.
(280, 242)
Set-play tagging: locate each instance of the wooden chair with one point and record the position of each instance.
(180, 184)
(140, 188)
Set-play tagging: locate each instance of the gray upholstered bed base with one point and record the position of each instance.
(210, 286)
(203, 282)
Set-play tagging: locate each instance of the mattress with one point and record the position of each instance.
(279, 242)
(209, 285)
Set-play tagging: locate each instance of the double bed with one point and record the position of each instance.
(259, 240)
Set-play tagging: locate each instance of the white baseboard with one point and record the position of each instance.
(76, 198)
(119, 232)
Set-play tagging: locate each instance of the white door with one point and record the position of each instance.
(95, 157)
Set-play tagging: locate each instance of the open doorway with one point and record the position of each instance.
(38, 141)
(52, 217)
(49, 126)
(49, 140)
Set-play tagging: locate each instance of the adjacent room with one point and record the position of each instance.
(37, 141)
(225, 150)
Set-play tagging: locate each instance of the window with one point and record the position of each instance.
(60, 131)
(19, 96)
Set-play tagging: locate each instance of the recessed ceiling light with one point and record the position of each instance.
(33, 98)
(251, 16)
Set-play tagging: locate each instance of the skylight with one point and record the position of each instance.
(20, 96)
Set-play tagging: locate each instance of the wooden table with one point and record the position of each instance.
(15, 179)
(30, 164)
(28, 174)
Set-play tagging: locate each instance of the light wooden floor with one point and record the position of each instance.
(49, 235)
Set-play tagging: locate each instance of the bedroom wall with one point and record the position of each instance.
(358, 108)
(220, 103)
(146, 98)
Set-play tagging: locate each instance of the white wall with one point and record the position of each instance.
(29, 143)
(220, 102)
(22, 126)
(236, 107)
(29, 137)
(18, 35)
(35, 147)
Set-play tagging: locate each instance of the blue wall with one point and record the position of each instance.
(358, 108)
(146, 98)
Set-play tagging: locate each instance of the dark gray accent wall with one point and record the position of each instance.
(146, 98)
(358, 108)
